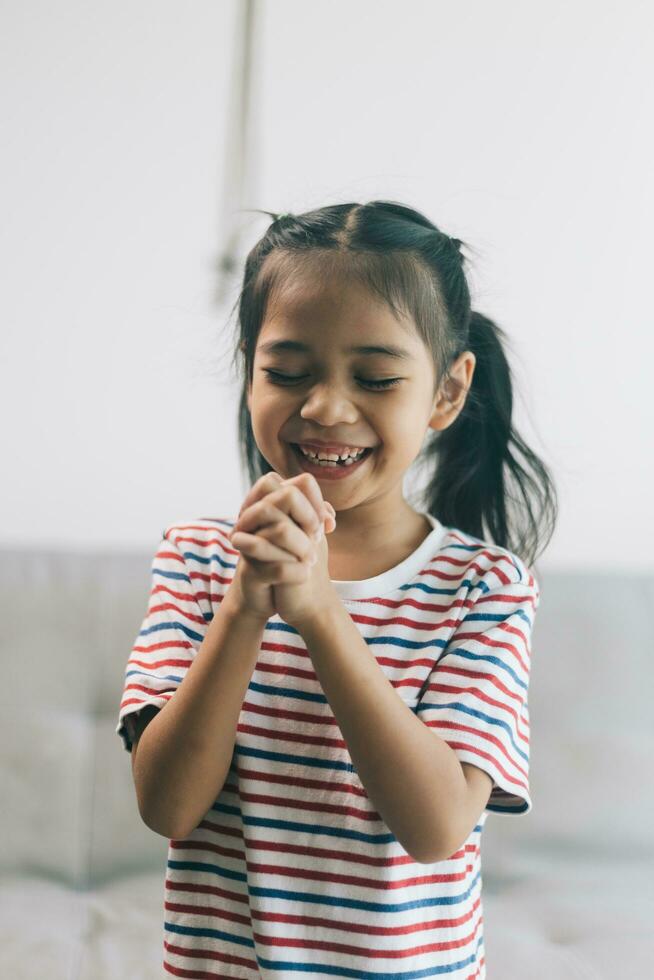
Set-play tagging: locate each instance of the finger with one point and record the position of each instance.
(286, 506)
(264, 485)
(272, 522)
(278, 572)
(258, 546)
(310, 487)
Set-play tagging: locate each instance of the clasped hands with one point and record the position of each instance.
(280, 533)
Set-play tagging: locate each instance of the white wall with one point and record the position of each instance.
(523, 129)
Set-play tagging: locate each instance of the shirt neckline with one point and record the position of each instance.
(400, 574)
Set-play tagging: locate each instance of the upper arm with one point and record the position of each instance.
(480, 785)
(478, 790)
(141, 722)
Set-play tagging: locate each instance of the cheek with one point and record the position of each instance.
(265, 409)
(403, 444)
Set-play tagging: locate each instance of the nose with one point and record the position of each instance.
(325, 406)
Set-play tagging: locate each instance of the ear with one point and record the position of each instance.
(453, 391)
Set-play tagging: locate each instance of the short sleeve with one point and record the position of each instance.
(476, 696)
(167, 642)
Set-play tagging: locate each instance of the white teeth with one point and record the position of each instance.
(348, 458)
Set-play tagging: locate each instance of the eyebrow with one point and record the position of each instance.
(275, 346)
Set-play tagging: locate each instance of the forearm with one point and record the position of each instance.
(184, 754)
(412, 777)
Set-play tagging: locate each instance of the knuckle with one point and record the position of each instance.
(310, 479)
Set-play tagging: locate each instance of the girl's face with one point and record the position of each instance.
(317, 387)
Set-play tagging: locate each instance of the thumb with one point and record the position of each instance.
(330, 517)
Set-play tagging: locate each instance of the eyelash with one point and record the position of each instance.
(384, 384)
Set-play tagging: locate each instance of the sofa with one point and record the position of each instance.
(568, 889)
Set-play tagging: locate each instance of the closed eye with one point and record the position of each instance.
(276, 378)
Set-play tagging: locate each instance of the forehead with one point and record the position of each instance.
(303, 313)
(286, 344)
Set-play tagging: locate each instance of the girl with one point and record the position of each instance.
(329, 695)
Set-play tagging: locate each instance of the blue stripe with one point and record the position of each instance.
(397, 641)
(497, 617)
(487, 658)
(159, 677)
(165, 573)
(204, 560)
(430, 589)
(466, 710)
(172, 625)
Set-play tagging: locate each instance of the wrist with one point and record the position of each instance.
(324, 613)
(235, 607)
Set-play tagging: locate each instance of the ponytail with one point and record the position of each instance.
(474, 461)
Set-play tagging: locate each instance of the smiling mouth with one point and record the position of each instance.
(330, 465)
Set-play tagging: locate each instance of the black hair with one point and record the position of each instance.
(476, 482)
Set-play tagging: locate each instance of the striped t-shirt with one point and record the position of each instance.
(274, 882)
